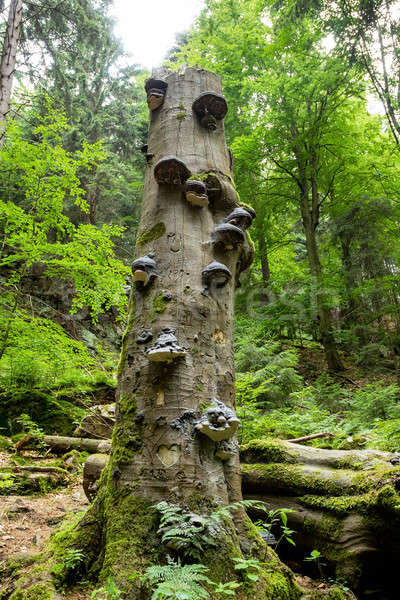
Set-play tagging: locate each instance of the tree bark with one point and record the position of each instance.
(8, 60)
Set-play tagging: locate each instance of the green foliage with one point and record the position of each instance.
(249, 567)
(67, 571)
(278, 519)
(177, 582)
(36, 230)
(226, 589)
(185, 531)
(107, 592)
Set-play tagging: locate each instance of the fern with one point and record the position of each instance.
(224, 512)
(177, 582)
(186, 531)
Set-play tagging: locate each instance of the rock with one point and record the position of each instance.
(98, 424)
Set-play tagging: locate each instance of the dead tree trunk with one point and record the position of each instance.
(175, 434)
(8, 60)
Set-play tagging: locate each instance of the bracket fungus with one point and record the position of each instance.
(219, 422)
(144, 269)
(170, 170)
(210, 108)
(166, 347)
(196, 193)
(228, 236)
(156, 90)
(241, 217)
(215, 274)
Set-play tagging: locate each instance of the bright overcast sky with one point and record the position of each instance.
(147, 28)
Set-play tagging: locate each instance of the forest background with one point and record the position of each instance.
(318, 315)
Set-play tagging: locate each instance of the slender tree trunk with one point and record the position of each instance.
(265, 270)
(310, 223)
(8, 60)
(350, 311)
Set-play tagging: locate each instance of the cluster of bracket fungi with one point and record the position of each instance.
(218, 422)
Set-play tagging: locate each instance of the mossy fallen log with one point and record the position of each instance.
(62, 444)
(346, 505)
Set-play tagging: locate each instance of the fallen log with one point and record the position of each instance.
(62, 444)
(41, 469)
(345, 506)
(313, 436)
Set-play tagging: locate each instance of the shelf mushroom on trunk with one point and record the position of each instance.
(210, 108)
(144, 269)
(170, 170)
(241, 217)
(166, 347)
(228, 236)
(196, 193)
(216, 275)
(156, 90)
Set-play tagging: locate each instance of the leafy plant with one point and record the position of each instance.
(249, 567)
(107, 592)
(316, 557)
(278, 518)
(226, 589)
(66, 570)
(177, 582)
(6, 481)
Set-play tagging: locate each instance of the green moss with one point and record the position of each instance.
(38, 591)
(384, 499)
(132, 543)
(201, 176)
(349, 462)
(129, 326)
(127, 435)
(145, 237)
(250, 240)
(282, 476)
(265, 450)
(181, 115)
(160, 305)
(200, 503)
(335, 593)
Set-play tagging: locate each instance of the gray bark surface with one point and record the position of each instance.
(8, 59)
(173, 460)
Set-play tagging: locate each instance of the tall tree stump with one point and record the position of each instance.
(175, 433)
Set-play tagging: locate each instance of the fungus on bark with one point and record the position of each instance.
(210, 108)
(144, 269)
(196, 193)
(219, 422)
(215, 274)
(226, 449)
(228, 236)
(241, 217)
(156, 90)
(170, 170)
(166, 347)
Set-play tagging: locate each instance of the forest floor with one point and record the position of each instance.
(27, 521)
